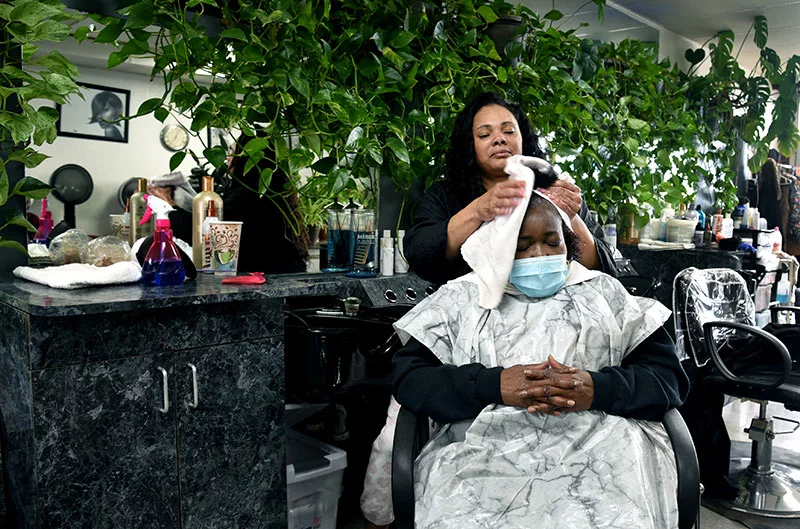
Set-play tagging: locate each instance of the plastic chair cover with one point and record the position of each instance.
(699, 296)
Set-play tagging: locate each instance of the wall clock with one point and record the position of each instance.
(174, 137)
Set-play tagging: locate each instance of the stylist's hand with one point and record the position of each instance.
(523, 386)
(576, 395)
(499, 200)
(566, 195)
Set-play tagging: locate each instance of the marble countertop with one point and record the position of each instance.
(41, 300)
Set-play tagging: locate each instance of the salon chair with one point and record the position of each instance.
(412, 431)
(715, 321)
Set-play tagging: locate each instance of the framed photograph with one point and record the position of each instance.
(217, 136)
(97, 117)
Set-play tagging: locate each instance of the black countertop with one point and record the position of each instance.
(41, 300)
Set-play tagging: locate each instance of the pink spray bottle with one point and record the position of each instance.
(45, 224)
(162, 265)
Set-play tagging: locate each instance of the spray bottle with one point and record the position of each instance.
(45, 224)
(162, 265)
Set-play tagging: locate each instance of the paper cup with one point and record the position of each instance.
(225, 236)
(116, 225)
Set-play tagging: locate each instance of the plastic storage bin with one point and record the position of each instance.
(314, 473)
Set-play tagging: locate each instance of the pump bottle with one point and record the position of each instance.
(162, 266)
(138, 204)
(199, 213)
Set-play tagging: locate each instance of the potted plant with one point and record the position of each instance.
(373, 88)
(312, 209)
(22, 126)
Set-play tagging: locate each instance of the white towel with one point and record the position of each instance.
(490, 250)
(77, 275)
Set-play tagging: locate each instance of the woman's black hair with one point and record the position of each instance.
(571, 240)
(463, 176)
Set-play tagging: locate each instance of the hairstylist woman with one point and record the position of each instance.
(476, 189)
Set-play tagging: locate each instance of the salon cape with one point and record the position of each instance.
(509, 468)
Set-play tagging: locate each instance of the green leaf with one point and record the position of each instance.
(81, 33)
(264, 180)
(3, 184)
(487, 14)
(5, 243)
(19, 127)
(234, 34)
(299, 82)
(140, 15)
(51, 30)
(695, 56)
(176, 159)
(32, 188)
(636, 124)
(324, 165)
(20, 220)
(31, 13)
(115, 58)
(111, 32)
(161, 114)
(402, 39)
(761, 31)
(216, 155)
(399, 149)
(149, 106)
(553, 15)
(57, 63)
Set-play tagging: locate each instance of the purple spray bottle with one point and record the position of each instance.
(162, 265)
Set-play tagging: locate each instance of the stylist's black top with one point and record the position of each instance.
(425, 243)
(648, 383)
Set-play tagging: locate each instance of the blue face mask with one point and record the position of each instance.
(539, 277)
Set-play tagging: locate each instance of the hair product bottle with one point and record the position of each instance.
(387, 254)
(400, 263)
(138, 207)
(211, 215)
(199, 213)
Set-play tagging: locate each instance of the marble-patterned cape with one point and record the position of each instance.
(508, 468)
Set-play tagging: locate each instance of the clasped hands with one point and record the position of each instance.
(549, 387)
(503, 197)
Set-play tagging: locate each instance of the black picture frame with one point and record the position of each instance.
(97, 116)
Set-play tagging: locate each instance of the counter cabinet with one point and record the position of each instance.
(102, 427)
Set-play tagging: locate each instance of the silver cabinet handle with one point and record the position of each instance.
(195, 394)
(165, 378)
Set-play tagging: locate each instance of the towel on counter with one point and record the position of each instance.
(653, 245)
(78, 275)
(490, 250)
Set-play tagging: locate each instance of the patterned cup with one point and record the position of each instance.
(225, 236)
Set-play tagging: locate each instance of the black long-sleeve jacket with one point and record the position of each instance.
(425, 243)
(648, 383)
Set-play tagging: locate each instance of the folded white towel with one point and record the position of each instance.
(653, 245)
(77, 275)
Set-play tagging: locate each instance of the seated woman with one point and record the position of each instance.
(546, 403)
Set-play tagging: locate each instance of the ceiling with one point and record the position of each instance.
(697, 20)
